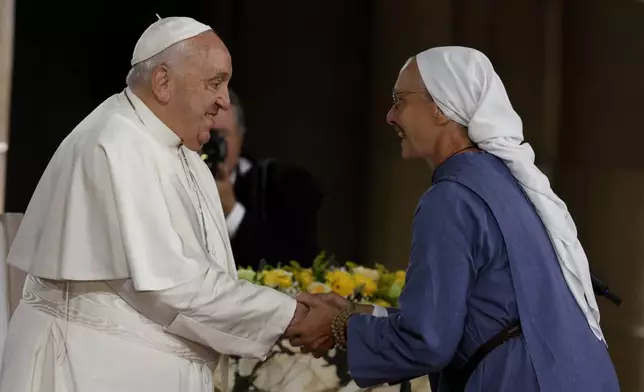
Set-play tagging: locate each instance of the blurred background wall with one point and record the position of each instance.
(601, 165)
(316, 77)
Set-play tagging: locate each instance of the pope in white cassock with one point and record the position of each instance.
(131, 281)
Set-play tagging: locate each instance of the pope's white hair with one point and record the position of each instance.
(141, 73)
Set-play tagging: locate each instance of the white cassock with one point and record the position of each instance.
(132, 285)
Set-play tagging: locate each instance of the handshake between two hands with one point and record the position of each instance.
(311, 326)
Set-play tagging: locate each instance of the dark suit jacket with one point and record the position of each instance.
(280, 224)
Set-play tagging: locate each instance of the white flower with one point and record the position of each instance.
(368, 272)
(318, 288)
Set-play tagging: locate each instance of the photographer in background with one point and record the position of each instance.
(271, 207)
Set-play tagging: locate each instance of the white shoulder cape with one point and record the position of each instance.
(112, 205)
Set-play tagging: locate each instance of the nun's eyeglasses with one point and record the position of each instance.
(396, 95)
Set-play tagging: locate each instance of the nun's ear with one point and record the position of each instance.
(439, 117)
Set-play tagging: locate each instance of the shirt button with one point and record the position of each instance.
(206, 379)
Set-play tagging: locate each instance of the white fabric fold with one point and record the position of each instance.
(123, 201)
(379, 311)
(465, 86)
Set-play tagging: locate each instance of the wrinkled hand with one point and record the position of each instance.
(335, 300)
(226, 190)
(301, 311)
(313, 334)
(342, 303)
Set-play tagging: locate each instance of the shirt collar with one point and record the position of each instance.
(153, 125)
(243, 166)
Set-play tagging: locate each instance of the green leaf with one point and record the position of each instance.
(295, 264)
(382, 269)
(320, 267)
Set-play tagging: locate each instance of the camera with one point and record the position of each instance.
(214, 152)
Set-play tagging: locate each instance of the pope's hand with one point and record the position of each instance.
(314, 334)
(301, 311)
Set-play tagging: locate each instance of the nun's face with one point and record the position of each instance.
(412, 114)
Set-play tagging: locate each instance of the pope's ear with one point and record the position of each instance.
(160, 83)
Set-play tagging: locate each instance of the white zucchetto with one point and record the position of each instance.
(164, 33)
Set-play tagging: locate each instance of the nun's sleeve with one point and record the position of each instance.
(423, 336)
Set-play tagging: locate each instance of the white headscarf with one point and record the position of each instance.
(466, 88)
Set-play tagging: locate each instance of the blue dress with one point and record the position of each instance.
(480, 260)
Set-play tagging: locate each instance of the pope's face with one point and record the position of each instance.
(201, 90)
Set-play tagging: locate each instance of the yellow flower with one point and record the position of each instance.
(278, 278)
(400, 277)
(370, 273)
(317, 288)
(367, 285)
(341, 282)
(382, 302)
(304, 277)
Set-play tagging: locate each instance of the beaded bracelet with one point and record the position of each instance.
(338, 327)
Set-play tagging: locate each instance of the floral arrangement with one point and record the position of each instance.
(357, 283)
(286, 369)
